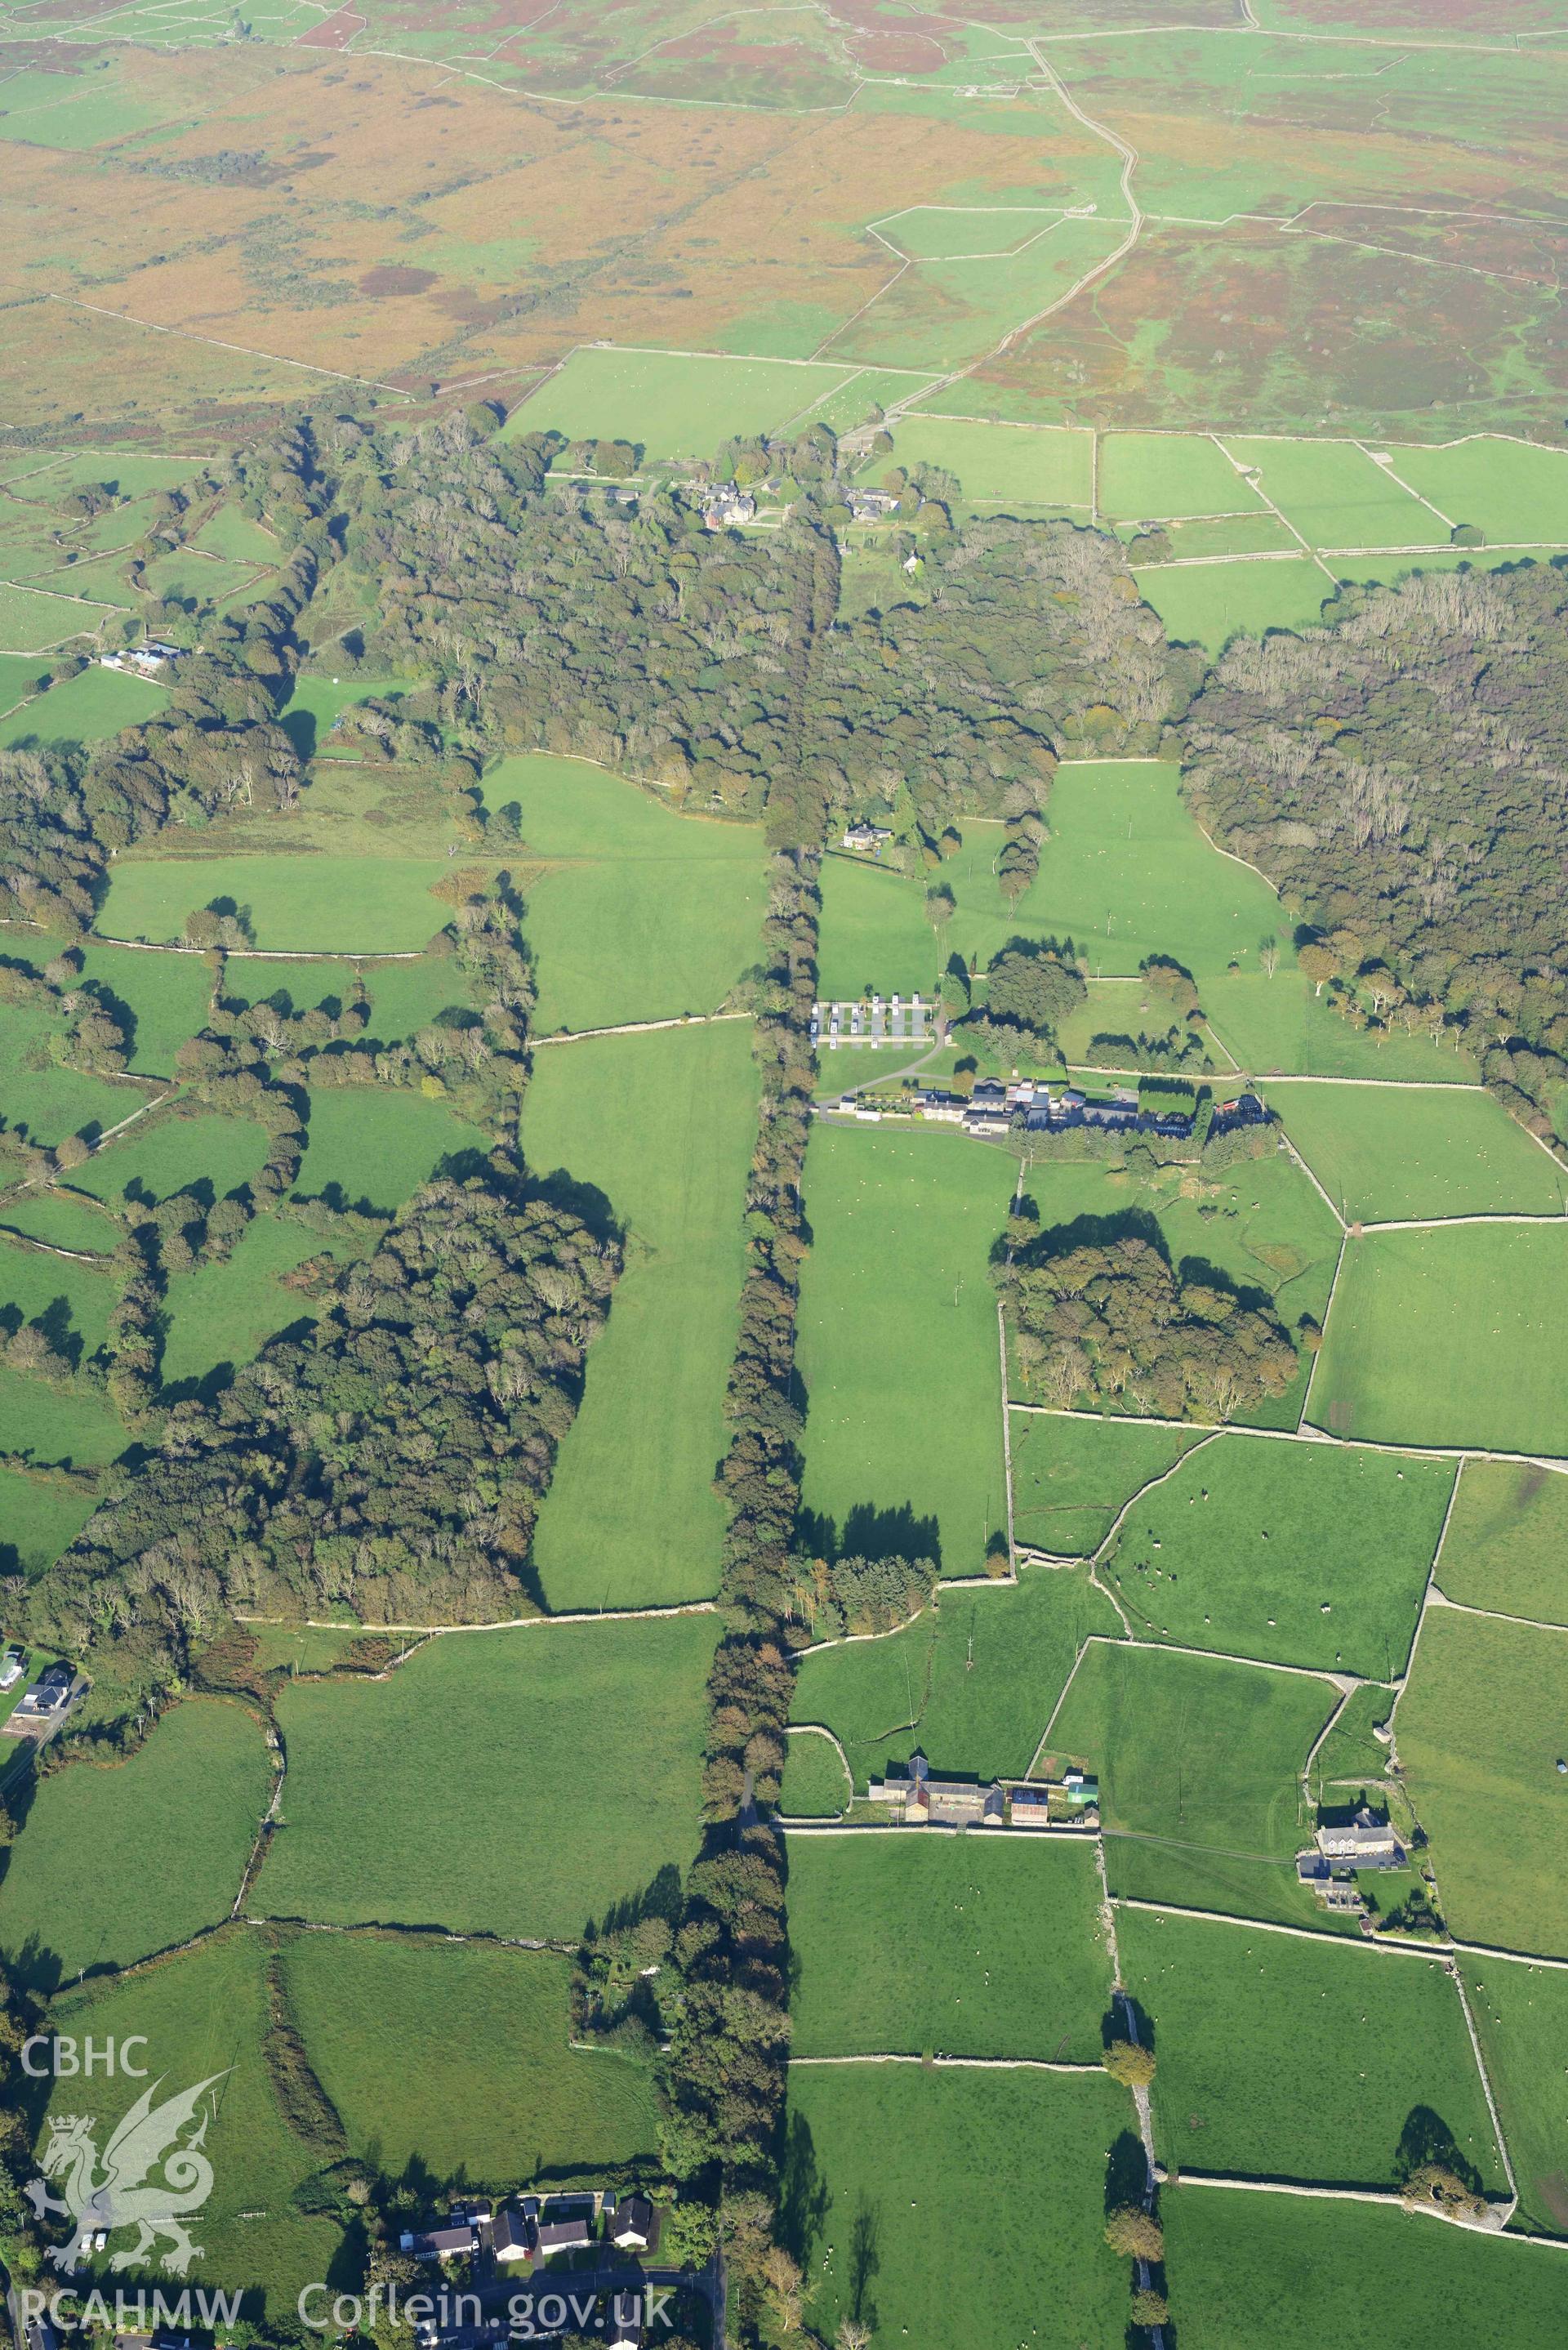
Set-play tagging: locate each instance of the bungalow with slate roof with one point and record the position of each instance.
(572, 2232)
(451, 2243)
(635, 2225)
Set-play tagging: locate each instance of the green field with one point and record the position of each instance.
(1193, 1753)
(1070, 1477)
(1479, 1730)
(317, 702)
(66, 1219)
(31, 622)
(446, 2104)
(86, 708)
(1125, 874)
(898, 1341)
(1000, 464)
(159, 1155)
(1336, 495)
(1296, 2273)
(75, 1426)
(816, 1785)
(1207, 604)
(72, 1302)
(885, 2167)
(375, 1146)
(1382, 1155)
(980, 1945)
(406, 996)
(677, 404)
(341, 904)
(1507, 1541)
(167, 996)
(44, 1099)
(222, 1314)
(1280, 1026)
(1162, 476)
(492, 1724)
(1514, 491)
(1522, 2020)
(1449, 1337)
(639, 914)
(38, 1519)
(662, 1127)
(1280, 2058)
(1299, 1553)
(971, 1682)
(204, 2017)
(118, 1860)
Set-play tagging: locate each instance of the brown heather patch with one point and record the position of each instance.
(397, 278)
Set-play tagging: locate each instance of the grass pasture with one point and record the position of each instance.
(75, 1427)
(1002, 464)
(1195, 1753)
(159, 1155)
(1207, 604)
(1480, 1732)
(118, 1860)
(221, 1315)
(1337, 496)
(1279, 1027)
(1169, 477)
(970, 1946)
(1126, 873)
(84, 709)
(674, 404)
(39, 1519)
(661, 1126)
(46, 1099)
(205, 2017)
(972, 1681)
(1298, 1554)
(639, 913)
(1507, 1541)
(72, 1302)
(446, 2008)
(496, 1720)
(32, 621)
(1514, 491)
(1449, 1337)
(1296, 2273)
(898, 1341)
(374, 1147)
(166, 995)
(1303, 2060)
(1070, 1477)
(1522, 2020)
(815, 1785)
(1383, 1155)
(868, 2149)
(299, 902)
(64, 1219)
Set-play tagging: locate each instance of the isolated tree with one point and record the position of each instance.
(1127, 2062)
(852, 2335)
(1135, 2233)
(1148, 2307)
(940, 906)
(1269, 956)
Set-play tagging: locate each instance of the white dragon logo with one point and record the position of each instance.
(120, 2194)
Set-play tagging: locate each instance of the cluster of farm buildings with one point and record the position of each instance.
(589, 2245)
(1035, 1108)
(1340, 1848)
(915, 1799)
